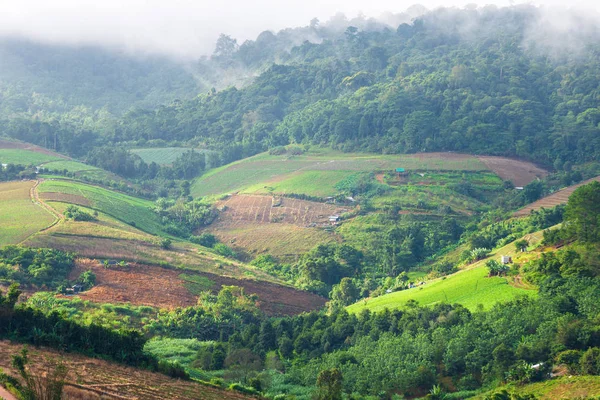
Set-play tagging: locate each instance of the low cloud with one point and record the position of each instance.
(184, 29)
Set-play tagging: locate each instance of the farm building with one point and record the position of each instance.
(506, 259)
(334, 219)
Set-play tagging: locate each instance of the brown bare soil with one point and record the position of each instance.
(292, 227)
(520, 173)
(160, 287)
(284, 241)
(90, 378)
(560, 197)
(66, 198)
(260, 209)
(6, 144)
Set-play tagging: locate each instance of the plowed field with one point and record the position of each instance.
(520, 173)
(159, 287)
(91, 378)
(560, 197)
(252, 223)
(260, 209)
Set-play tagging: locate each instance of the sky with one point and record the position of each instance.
(187, 29)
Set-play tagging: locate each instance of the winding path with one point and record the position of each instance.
(4, 394)
(35, 198)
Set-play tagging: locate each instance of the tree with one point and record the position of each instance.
(345, 293)
(267, 338)
(329, 384)
(496, 268)
(582, 215)
(46, 385)
(8, 301)
(521, 245)
(225, 46)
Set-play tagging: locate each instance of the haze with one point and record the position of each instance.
(184, 29)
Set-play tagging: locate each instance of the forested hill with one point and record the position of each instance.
(53, 78)
(471, 80)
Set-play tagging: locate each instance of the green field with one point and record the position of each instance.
(128, 209)
(269, 170)
(469, 287)
(25, 157)
(162, 155)
(71, 166)
(312, 183)
(19, 216)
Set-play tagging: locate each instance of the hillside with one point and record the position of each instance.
(470, 287)
(91, 378)
(557, 198)
(60, 78)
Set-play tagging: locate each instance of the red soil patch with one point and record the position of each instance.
(6, 144)
(560, 197)
(66, 198)
(520, 173)
(160, 287)
(90, 378)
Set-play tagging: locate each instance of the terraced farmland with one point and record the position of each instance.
(261, 209)
(91, 378)
(19, 216)
(293, 227)
(555, 199)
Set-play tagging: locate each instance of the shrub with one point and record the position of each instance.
(243, 389)
(205, 239)
(77, 214)
(571, 359)
(590, 361)
(172, 369)
(277, 151)
(166, 243)
(224, 250)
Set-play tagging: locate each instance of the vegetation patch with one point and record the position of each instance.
(26, 157)
(162, 155)
(19, 216)
(128, 209)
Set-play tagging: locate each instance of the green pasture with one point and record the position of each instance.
(469, 287)
(312, 183)
(71, 166)
(19, 216)
(128, 209)
(25, 157)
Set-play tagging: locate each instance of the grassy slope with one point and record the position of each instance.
(566, 387)
(268, 169)
(121, 206)
(469, 287)
(26, 157)
(19, 216)
(111, 238)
